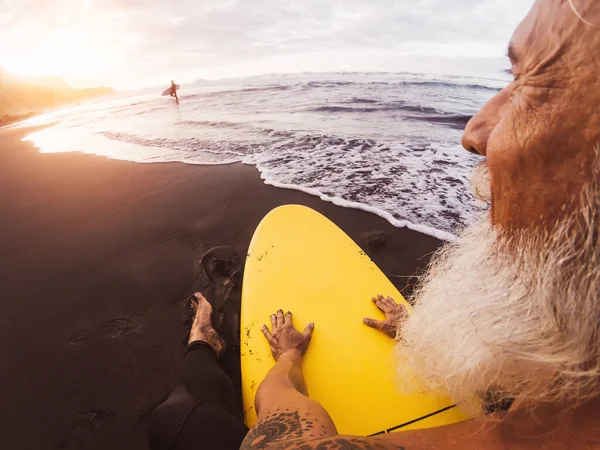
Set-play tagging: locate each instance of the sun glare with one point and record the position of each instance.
(66, 52)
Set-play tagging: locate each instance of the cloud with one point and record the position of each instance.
(146, 40)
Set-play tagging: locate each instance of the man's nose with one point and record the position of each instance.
(476, 135)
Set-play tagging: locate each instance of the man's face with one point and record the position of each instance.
(540, 132)
(506, 306)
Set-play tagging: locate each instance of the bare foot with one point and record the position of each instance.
(202, 329)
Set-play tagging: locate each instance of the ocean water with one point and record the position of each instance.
(385, 143)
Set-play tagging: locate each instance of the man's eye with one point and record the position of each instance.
(512, 74)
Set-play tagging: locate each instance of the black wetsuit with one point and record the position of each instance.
(201, 411)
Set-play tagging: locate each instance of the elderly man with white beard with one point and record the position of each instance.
(511, 308)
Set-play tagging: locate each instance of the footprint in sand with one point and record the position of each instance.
(122, 326)
(81, 334)
(219, 275)
(220, 264)
(116, 328)
(82, 427)
(79, 337)
(375, 239)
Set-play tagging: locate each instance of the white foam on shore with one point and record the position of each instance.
(423, 229)
(426, 189)
(59, 140)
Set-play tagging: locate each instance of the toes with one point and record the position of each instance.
(203, 303)
(193, 306)
(201, 300)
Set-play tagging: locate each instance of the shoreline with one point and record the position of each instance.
(264, 173)
(397, 223)
(97, 259)
(8, 119)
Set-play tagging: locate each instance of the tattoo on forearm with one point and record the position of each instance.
(341, 443)
(286, 430)
(280, 427)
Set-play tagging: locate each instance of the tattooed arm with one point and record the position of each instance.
(285, 412)
(289, 419)
(343, 443)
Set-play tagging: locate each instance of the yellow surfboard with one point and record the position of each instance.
(300, 261)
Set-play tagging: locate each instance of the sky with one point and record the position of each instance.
(137, 43)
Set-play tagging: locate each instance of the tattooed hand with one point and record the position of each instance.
(395, 314)
(284, 338)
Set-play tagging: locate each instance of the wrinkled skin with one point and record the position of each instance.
(539, 133)
(539, 137)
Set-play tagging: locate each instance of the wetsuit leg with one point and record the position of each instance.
(200, 412)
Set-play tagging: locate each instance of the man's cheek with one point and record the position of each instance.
(506, 175)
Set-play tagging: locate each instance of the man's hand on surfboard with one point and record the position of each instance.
(395, 314)
(284, 338)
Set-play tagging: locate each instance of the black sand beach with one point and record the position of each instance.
(97, 259)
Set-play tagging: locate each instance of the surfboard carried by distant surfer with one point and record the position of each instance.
(172, 91)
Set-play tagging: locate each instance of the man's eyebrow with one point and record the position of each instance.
(512, 55)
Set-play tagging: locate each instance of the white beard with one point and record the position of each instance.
(519, 315)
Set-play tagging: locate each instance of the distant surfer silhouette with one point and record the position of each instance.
(174, 91)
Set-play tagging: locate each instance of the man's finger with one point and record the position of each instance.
(280, 319)
(381, 304)
(273, 321)
(391, 302)
(308, 331)
(266, 332)
(403, 311)
(377, 324)
(288, 318)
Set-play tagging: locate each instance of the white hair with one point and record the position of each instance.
(480, 182)
(580, 17)
(519, 315)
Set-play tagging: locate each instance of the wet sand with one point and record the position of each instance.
(97, 260)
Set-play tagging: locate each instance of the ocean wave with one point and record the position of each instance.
(361, 100)
(190, 146)
(327, 84)
(209, 123)
(241, 90)
(127, 112)
(448, 84)
(395, 106)
(406, 83)
(270, 132)
(457, 121)
(332, 85)
(274, 87)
